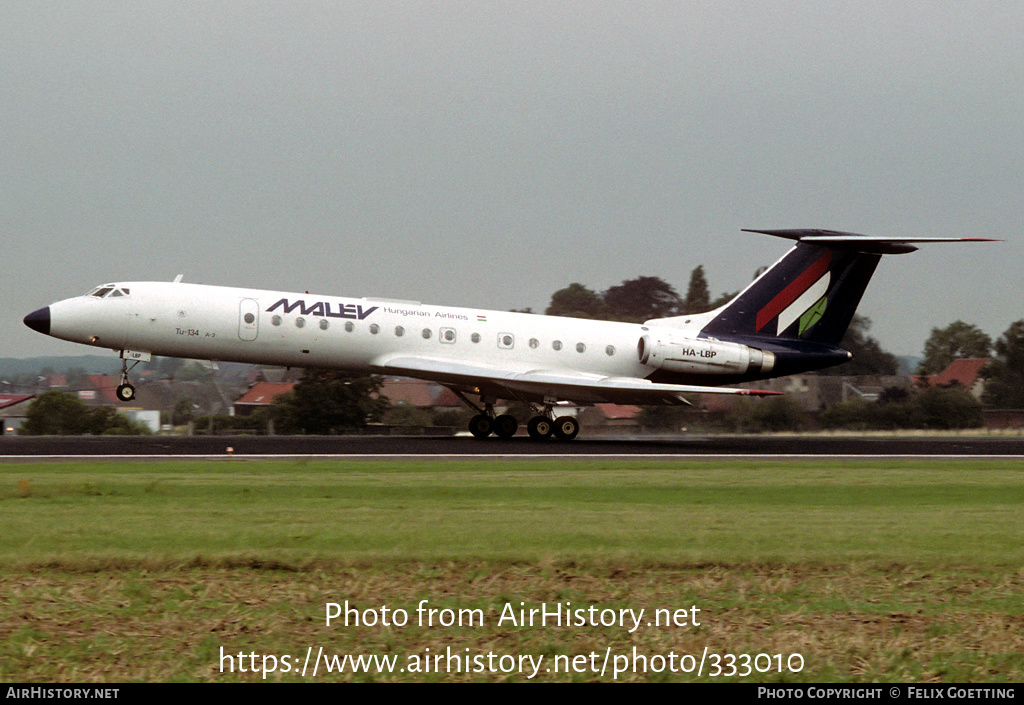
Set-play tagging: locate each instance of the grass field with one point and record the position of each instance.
(851, 570)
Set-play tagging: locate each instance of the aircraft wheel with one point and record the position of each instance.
(505, 426)
(540, 428)
(480, 426)
(566, 428)
(125, 392)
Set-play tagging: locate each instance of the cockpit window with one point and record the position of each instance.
(102, 292)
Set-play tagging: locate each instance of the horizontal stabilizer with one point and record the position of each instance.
(862, 243)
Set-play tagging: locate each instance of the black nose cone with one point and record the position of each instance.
(39, 320)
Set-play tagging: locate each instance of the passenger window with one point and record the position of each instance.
(426, 334)
(610, 350)
(276, 320)
(374, 328)
(350, 326)
(300, 322)
(580, 347)
(447, 335)
(534, 343)
(475, 337)
(556, 345)
(323, 324)
(506, 341)
(399, 331)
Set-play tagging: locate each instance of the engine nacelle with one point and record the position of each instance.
(696, 355)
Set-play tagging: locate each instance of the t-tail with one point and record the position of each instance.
(801, 307)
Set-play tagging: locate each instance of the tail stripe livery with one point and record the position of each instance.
(790, 303)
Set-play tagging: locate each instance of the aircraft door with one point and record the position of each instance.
(248, 319)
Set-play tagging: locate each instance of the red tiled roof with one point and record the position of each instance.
(414, 392)
(963, 372)
(12, 399)
(618, 411)
(447, 398)
(106, 385)
(265, 392)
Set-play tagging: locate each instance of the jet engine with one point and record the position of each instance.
(668, 352)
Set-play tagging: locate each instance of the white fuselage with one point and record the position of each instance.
(311, 330)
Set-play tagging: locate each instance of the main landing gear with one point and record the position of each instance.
(540, 427)
(564, 428)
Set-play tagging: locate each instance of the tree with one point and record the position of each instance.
(63, 414)
(956, 341)
(948, 408)
(577, 301)
(698, 295)
(1004, 375)
(55, 414)
(766, 415)
(868, 356)
(407, 415)
(641, 299)
(106, 421)
(933, 408)
(723, 299)
(329, 402)
(184, 410)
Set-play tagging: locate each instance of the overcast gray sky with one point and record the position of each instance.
(487, 154)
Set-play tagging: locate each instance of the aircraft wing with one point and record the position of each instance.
(536, 385)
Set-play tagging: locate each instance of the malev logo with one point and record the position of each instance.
(323, 308)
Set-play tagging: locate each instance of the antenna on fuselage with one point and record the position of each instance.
(177, 279)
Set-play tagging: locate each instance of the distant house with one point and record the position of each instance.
(12, 411)
(420, 394)
(261, 396)
(56, 381)
(611, 418)
(965, 373)
(98, 390)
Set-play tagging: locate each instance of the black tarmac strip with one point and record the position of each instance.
(381, 446)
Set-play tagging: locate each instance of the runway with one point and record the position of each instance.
(14, 447)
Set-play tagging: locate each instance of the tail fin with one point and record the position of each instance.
(813, 291)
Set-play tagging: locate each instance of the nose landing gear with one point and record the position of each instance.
(125, 390)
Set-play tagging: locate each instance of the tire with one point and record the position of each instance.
(540, 428)
(566, 428)
(480, 426)
(505, 426)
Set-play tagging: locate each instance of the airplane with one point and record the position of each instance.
(790, 319)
